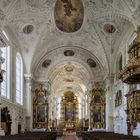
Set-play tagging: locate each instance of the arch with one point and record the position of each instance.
(78, 57)
(57, 44)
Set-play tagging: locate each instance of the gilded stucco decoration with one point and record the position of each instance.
(97, 107)
(40, 107)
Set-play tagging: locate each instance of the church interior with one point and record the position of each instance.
(69, 69)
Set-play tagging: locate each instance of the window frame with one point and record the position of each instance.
(6, 66)
(19, 92)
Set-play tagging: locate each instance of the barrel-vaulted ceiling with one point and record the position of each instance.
(38, 29)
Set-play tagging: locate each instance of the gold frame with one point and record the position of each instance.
(97, 108)
(69, 98)
(40, 100)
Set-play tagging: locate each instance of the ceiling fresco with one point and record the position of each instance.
(91, 63)
(46, 63)
(69, 15)
(69, 53)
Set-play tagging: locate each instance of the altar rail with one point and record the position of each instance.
(96, 135)
(31, 136)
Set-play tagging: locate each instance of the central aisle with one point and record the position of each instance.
(70, 137)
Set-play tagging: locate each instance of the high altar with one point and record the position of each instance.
(69, 111)
(40, 108)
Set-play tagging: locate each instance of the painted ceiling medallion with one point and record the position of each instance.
(69, 87)
(69, 53)
(46, 63)
(109, 28)
(69, 15)
(91, 62)
(28, 29)
(68, 80)
(69, 68)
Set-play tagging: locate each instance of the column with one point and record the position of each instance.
(109, 105)
(28, 102)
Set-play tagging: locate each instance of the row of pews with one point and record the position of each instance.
(102, 135)
(31, 136)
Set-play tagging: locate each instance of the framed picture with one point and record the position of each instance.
(41, 99)
(69, 113)
(41, 114)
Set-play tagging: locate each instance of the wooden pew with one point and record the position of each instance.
(32, 136)
(101, 135)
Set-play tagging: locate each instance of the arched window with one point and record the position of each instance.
(6, 76)
(19, 79)
(120, 63)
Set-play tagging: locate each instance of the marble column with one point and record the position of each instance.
(28, 102)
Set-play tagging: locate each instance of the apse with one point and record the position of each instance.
(69, 15)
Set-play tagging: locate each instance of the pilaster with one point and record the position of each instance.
(28, 102)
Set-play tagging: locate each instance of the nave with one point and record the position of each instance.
(81, 135)
(69, 66)
(69, 137)
(41, 136)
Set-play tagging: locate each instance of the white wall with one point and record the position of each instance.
(17, 111)
(17, 115)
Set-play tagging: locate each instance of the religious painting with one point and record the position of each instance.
(109, 28)
(69, 109)
(28, 29)
(69, 53)
(97, 115)
(41, 99)
(40, 107)
(46, 63)
(97, 99)
(69, 80)
(91, 63)
(69, 15)
(41, 113)
(97, 107)
(69, 113)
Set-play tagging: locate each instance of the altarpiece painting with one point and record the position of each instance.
(40, 108)
(69, 110)
(97, 108)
